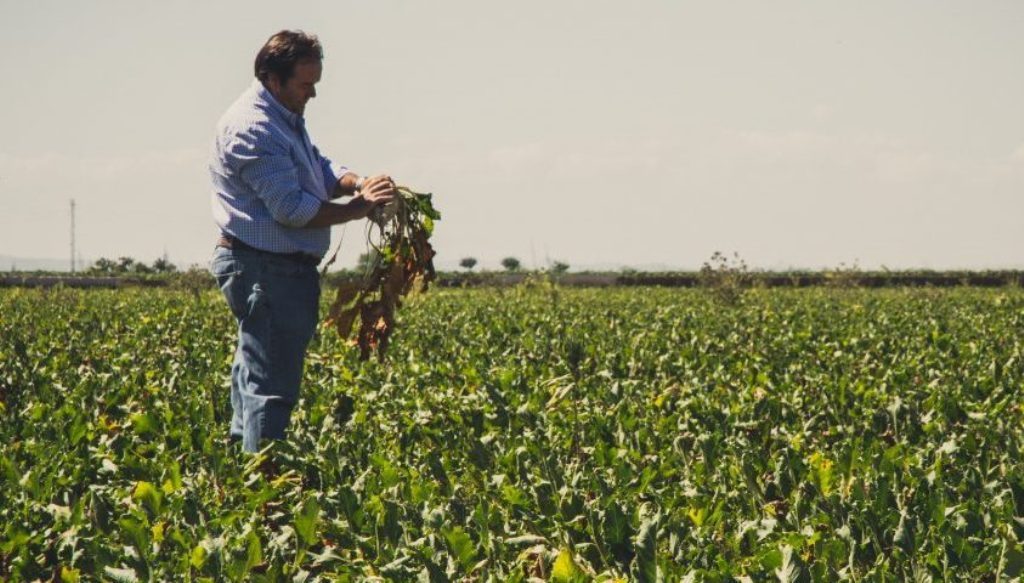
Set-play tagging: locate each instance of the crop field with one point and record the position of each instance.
(525, 433)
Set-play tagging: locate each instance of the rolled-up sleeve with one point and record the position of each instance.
(266, 166)
(332, 172)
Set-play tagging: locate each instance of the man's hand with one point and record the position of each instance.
(351, 184)
(378, 190)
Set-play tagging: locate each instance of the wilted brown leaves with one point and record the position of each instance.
(406, 264)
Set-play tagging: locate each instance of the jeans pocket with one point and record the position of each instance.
(230, 274)
(225, 265)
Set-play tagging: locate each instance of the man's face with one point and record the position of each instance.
(300, 87)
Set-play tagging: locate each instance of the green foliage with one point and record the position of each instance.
(511, 264)
(129, 265)
(163, 265)
(843, 275)
(565, 569)
(194, 280)
(368, 261)
(530, 432)
(726, 277)
(306, 519)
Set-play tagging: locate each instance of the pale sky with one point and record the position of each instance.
(599, 133)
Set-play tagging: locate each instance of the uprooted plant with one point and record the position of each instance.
(403, 263)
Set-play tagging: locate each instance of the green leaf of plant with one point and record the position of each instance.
(1014, 560)
(143, 423)
(147, 493)
(460, 545)
(565, 569)
(822, 472)
(15, 540)
(306, 519)
(903, 537)
(134, 531)
(198, 556)
(253, 551)
(514, 496)
(175, 474)
(616, 524)
(645, 567)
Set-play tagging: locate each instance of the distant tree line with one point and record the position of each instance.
(513, 265)
(365, 263)
(129, 266)
(726, 275)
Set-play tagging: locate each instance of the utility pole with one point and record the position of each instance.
(72, 235)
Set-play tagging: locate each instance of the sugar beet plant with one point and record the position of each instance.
(525, 434)
(403, 261)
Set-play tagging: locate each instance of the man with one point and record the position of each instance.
(272, 192)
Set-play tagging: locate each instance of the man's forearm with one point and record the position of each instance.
(333, 213)
(373, 191)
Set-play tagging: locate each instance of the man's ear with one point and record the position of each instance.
(273, 83)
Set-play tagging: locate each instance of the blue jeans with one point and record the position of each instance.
(276, 302)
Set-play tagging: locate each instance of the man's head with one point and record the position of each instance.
(289, 66)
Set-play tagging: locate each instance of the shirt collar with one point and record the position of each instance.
(263, 94)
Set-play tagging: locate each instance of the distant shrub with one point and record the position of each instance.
(726, 277)
(843, 276)
(194, 280)
(511, 264)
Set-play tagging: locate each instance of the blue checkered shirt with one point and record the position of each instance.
(269, 179)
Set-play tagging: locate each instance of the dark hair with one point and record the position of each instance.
(283, 50)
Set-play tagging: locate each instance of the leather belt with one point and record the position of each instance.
(229, 242)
